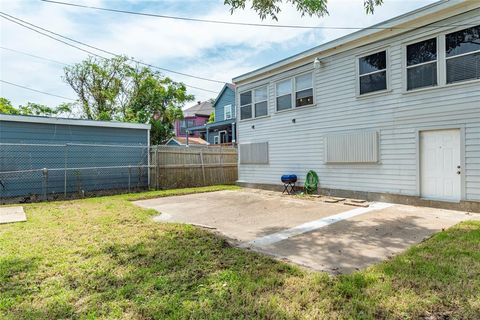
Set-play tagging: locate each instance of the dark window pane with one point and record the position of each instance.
(373, 62)
(261, 109)
(422, 76)
(246, 112)
(284, 102)
(463, 68)
(246, 98)
(373, 82)
(422, 52)
(462, 41)
(304, 98)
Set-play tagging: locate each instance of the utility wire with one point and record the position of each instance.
(232, 22)
(6, 16)
(108, 52)
(35, 90)
(32, 55)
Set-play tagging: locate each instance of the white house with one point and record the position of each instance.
(390, 112)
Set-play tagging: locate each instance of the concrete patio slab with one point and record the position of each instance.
(12, 214)
(241, 215)
(330, 237)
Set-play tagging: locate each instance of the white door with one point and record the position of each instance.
(440, 168)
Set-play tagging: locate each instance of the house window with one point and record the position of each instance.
(301, 85)
(228, 111)
(215, 140)
(246, 105)
(284, 95)
(261, 104)
(185, 124)
(304, 90)
(258, 98)
(372, 72)
(462, 54)
(422, 64)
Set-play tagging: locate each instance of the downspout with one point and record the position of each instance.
(188, 133)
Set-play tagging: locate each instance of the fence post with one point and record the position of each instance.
(65, 177)
(129, 174)
(156, 167)
(45, 183)
(203, 167)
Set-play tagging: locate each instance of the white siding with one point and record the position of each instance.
(298, 146)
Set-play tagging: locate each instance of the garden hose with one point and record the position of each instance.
(311, 182)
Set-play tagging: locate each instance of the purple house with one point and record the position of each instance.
(196, 115)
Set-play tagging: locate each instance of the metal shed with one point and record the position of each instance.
(48, 157)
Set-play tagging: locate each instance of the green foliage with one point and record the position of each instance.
(35, 109)
(271, 8)
(211, 119)
(114, 90)
(6, 107)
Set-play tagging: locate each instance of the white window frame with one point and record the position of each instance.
(387, 71)
(225, 108)
(215, 139)
(445, 58)
(252, 92)
(294, 91)
(436, 61)
(240, 105)
(441, 62)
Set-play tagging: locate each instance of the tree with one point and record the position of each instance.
(270, 8)
(6, 107)
(211, 119)
(112, 89)
(34, 109)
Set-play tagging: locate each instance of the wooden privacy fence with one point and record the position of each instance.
(179, 167)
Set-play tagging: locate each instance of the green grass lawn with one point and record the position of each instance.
(105, 258)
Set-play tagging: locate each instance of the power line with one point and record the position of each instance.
(6, 16)
(154, 15)
(110, 52)
(32, 55)
(35, 90)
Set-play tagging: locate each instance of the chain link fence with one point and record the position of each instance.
(33, 172)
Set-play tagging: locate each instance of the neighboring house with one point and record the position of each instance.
(184, 141)
(222, 131)
(193, 116)
(390, 112)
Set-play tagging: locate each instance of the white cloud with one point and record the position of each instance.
(186, 46)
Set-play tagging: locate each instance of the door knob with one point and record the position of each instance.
(458, 167)
(458, 172)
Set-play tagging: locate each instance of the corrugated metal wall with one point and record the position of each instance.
(96, 153)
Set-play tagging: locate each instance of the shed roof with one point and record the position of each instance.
(73, 122)
(191, 141)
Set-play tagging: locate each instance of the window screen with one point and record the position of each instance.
(284, 95)
(304, 90)
(422, 64)
(261, 104)
(462, 51)
(373, 72)
(246, 105)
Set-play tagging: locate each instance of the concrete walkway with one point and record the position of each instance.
(330, 237)
(12, 214)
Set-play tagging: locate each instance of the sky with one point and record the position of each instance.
(213, 51)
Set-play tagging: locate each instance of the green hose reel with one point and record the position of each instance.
(311, 182)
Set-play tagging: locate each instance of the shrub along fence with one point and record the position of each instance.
(32, 172)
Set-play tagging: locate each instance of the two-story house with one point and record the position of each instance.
(194, 116)
(222, 130)
(390, 112)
